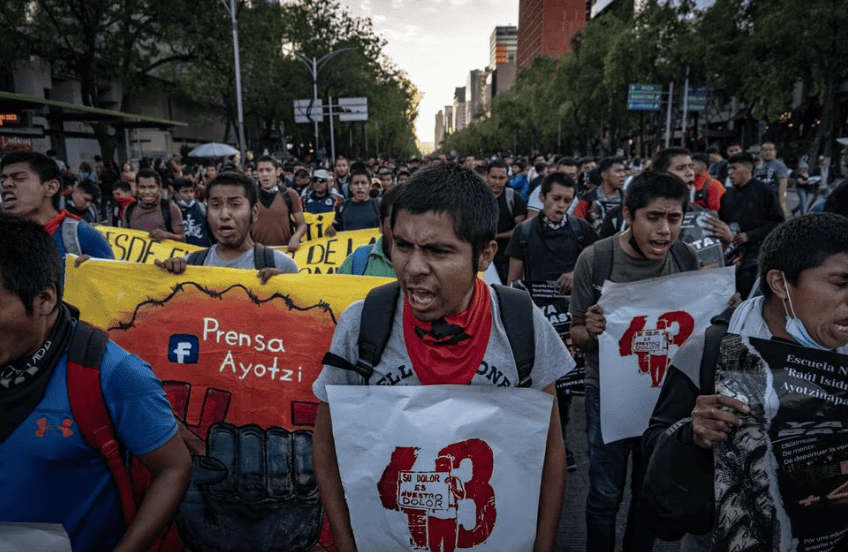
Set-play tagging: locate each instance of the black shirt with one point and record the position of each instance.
(548, 253)
(755, 208)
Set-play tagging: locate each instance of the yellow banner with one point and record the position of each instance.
(237, 360)
(316, 225)
(326, 255)
(136, 246)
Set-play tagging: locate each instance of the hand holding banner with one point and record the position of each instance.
(441, 466)
(647, 321)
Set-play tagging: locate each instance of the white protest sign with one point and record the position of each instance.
(647, 321)
(441, 466)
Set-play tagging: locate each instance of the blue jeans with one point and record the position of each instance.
(607, 478)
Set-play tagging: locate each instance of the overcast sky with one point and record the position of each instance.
(437, 42)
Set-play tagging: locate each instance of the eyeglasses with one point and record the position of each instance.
(322, 180)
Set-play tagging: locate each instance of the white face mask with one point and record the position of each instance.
(795, 327)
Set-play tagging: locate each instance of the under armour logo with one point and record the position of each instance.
(65, 428)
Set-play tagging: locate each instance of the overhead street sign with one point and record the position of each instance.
(308, 111)
(353, 109)
(699, 97)
(644, 97)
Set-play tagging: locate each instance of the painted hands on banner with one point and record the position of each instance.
(254, 491)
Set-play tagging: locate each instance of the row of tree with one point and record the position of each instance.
(186, 47)
(759, 55)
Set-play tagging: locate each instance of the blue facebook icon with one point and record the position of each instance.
(183, 349)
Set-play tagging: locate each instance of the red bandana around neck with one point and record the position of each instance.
(453, 357)
(53, 224)
(122, 204)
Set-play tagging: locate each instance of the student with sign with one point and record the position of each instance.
(231, 211)
(447, 325)
(649, 248)
(804, 269)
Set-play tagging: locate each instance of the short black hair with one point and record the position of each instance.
(360, 171)
(607, 163)
(556, 178)
(235, 178)
(650, 185)
(268, 159)
(567, 161)
(29, 259)
(89, 187)
(662, 159)
(701, 158)
(458, 192)
(181, 183)
(742, 157)
(121, 185)
(802, 243)
(584, 160)
(496, 164)
(713, 149)
(40, 164)
(148, 173)
(387, 200)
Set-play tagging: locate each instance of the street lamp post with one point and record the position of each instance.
(315, 65)
(231, 9)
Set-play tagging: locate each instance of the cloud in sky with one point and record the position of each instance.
(436, 42)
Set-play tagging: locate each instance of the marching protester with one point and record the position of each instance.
(772, 171)
(375, 259)
(232, 209)
(193, 212)
(512, 210)
(49, 471)
(30, 187)
(653, 208)
(360, 210)
(280, 213)
(706, 401)
(152, 213)
(82, 201)
(323, 198)
(446, 323)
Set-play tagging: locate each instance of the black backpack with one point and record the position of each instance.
(263, 257)
(525, 228)
(378, 314)
(164, 204)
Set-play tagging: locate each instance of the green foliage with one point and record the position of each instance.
(754, 50)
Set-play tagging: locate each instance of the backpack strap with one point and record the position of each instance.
(681, 257)
(602, 259)
(516, 310)
(128, 211)
(88, 406)
(360, 258)
(166, 214)
(712, 346)
(524, 229)
(574, 224)
(70, 236)
(197, 258)
(510, 200)
(378, 314)
(263, 257)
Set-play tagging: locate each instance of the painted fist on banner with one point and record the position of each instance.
(254, 491)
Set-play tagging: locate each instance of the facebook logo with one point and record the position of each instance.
(183, 349)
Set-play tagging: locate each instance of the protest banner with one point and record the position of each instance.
(136, 246)
(696, 232)
(647, 321)
(316, 225)
(326, 255)
(781, 478)
(237, 359)
(441, 467)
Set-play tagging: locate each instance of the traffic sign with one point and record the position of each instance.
(644, 97)
(353, 109)
(308, 111)
(699, 98)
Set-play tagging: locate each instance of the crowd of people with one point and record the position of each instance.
(569, 221)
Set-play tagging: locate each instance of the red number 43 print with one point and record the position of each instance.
(477, 489)
(651, 346)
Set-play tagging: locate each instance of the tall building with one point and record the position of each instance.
(546, 28)
(448, 119)
(475, 94)
(440, 128)
(502, 45)
(459, 121)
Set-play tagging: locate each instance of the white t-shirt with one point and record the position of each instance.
(395, 368)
